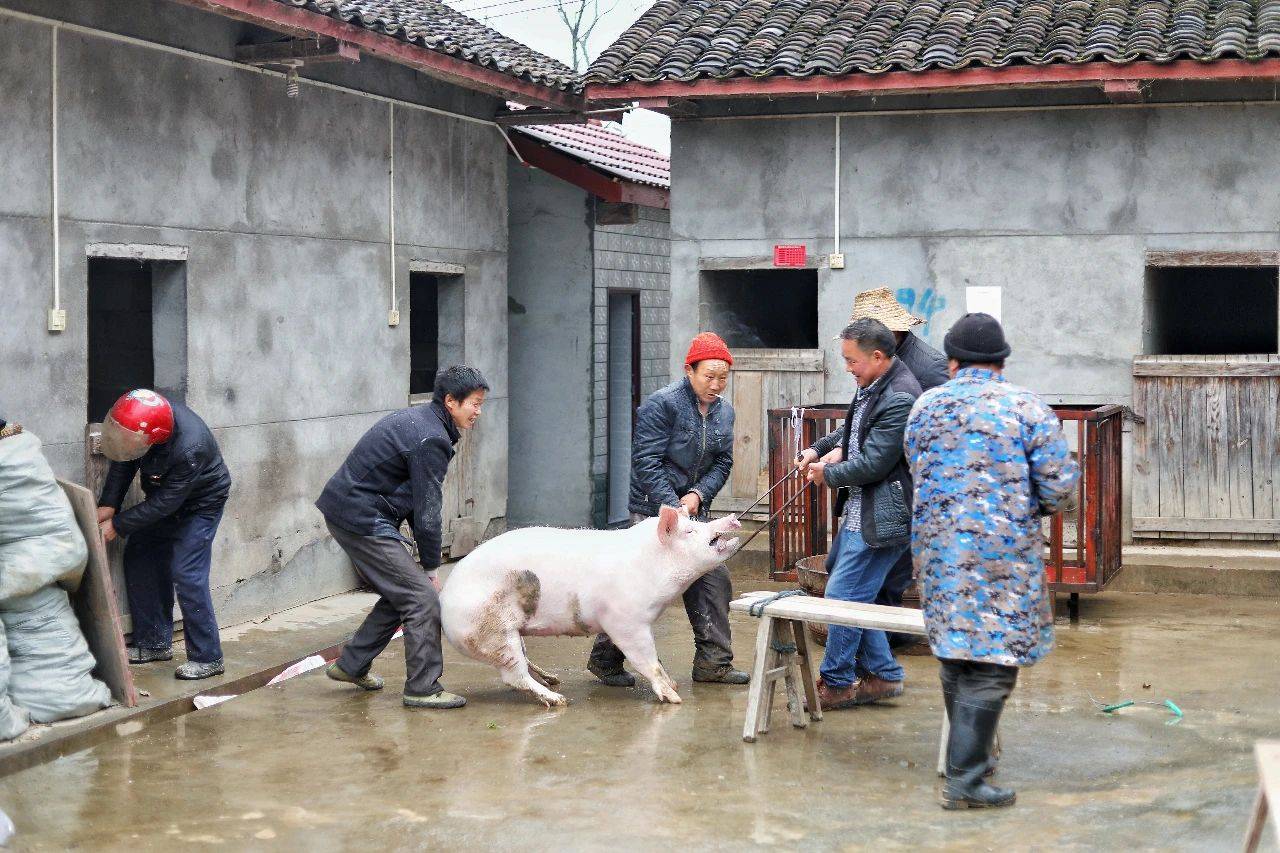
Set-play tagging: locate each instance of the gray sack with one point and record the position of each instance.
(49, 659)
(14, 719)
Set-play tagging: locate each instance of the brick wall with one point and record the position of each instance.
(629, 259)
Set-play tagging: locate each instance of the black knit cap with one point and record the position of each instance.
(977, 338)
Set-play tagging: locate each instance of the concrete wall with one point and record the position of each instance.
(283, 206)
(563, 267)
(1056, 207)
(549, 278)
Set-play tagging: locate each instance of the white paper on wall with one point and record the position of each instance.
(983, 299)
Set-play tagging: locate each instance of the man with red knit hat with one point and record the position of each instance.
(681, 453)
(171, 532)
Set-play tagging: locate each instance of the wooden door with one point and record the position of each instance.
(764, 379)
(1206, 452)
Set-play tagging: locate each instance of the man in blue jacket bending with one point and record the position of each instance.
(396, 473)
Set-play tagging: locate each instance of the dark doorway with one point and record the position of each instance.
(624, 398)
(121, 356)
(437, 310)
(137, 330)
(1212, 310)
(424, 331)
(770, 309)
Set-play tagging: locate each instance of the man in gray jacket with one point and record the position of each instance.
(929, 367)
(875, 509)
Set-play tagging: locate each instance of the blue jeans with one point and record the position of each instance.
(174, 554)
(857, 572)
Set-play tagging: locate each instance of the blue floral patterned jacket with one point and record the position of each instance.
(989, 459)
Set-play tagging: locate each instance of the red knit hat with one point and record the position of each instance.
(707, 345)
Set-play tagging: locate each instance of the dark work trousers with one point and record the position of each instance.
(706, 602)
(986, 682)
(895, 585)
(174, 554)
(406, 598)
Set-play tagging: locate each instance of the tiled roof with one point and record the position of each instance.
(437, 27)
(692, 39)
(605, 149)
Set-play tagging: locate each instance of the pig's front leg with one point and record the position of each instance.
(636, 642)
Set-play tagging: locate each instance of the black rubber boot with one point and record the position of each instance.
(993, 762)
(973, 730)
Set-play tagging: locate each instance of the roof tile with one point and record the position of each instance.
(692, 39)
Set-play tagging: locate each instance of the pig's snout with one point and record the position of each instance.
(729, 522)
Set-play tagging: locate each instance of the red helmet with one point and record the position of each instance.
(138, 420)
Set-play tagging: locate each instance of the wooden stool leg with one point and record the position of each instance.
(942, 743)
(792, 630)
(808, 670)
(755, 694)
(1257, 821)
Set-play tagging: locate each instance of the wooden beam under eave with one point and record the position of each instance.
(939, 81)
(298, 50)
(571, 170)
(298, 21)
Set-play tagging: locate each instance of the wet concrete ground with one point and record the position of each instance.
(320, 766)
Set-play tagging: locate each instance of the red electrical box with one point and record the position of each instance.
(789, 256)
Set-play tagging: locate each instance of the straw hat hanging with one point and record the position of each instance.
(879, 304)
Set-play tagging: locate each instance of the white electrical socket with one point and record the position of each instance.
(57, 319)
(393, 317)
(836, 260)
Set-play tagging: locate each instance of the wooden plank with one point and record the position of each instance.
(749, 434)
(1273, 443)
(812, 388)
(1205, 366)
(853, 614)
(1207, 525)
(1146, 442)
(1195, 449)
(1171, 413)
(1239, 402)
(308, 49)
(1213, 259)
(792, 360)
(1217, 445)
(95, 602)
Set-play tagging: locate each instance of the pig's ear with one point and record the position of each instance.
(668, 523)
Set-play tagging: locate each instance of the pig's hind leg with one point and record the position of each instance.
(514, 668)
(637, 644)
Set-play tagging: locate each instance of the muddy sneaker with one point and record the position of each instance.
(139, 655)
(192, 671)
(612, 677)
(724, 674)
(872, 689)
(440, 701)
(368, 681)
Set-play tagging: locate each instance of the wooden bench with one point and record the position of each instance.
(784, 652)
(1268, 754)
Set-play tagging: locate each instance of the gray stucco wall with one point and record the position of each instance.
(1057, 207)
(283, 206)
(563, 267)
(549, 279)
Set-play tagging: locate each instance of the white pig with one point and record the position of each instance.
(540, 581)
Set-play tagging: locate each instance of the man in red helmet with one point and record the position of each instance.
(171, 532)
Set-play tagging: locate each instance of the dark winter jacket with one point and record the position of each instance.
(396, 472)
(881, 470)
(675, 450)
(926, 364)
(181, 477)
